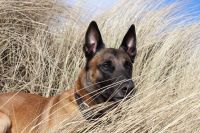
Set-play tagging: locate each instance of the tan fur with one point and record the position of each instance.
(22, 112)
(5, 122)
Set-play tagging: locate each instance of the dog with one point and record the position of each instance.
(106, 77)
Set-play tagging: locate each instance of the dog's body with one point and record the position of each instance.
(28, 112)
(21, 112)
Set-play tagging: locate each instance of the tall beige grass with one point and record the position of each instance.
(33, 54)
(41, 59)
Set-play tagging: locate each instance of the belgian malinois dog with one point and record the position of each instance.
(96, 84)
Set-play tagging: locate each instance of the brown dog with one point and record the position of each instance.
(106, 77)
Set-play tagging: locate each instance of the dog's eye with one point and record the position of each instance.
(128, 65)
(107, 66)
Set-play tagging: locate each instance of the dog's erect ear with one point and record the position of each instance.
(129, 43)
(93, 40)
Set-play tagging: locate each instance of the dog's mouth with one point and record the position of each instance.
(115, 98)
(116, 94)
(119, 98)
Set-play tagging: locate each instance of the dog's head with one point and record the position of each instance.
(109, 70)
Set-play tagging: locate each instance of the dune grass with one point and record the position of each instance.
(33, 54)
(38, 55)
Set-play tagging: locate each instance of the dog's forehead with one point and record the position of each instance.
(111, 53)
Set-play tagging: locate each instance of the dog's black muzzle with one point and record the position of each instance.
(119, 92)
(124, 91)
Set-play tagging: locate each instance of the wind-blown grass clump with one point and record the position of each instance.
(32, 45)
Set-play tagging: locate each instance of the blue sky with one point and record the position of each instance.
(108, 3)
(93, 7)
(95, 3)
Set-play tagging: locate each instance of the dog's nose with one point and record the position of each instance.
(127, 87)
(124, 90)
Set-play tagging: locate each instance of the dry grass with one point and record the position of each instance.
(38, 58)
(32, 47)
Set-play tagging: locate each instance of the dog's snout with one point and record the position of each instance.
(124, 91)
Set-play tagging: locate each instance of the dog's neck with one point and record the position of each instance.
(80, 91)
(85, 100)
